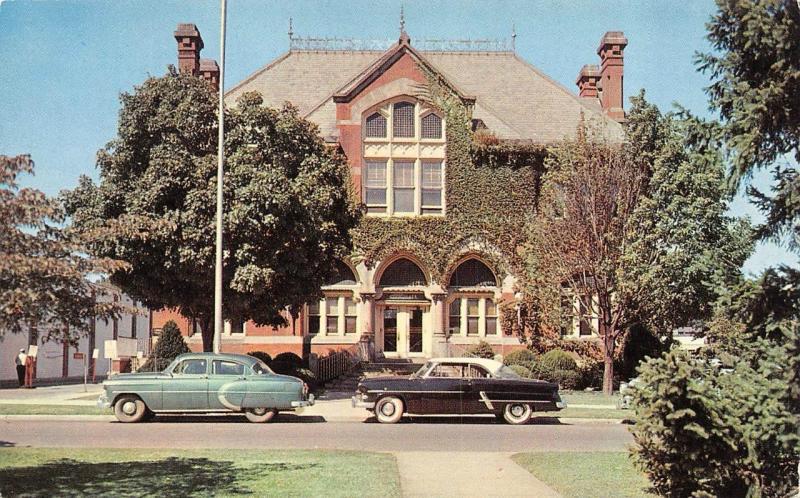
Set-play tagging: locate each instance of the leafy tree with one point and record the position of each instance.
(43, 268)
(578, 235)
(683, 247)
(288, 205)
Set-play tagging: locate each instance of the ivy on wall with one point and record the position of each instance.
(490, 189)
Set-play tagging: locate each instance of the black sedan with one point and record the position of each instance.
(458, 386)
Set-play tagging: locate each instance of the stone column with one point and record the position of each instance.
(437, 312)
(367, 342)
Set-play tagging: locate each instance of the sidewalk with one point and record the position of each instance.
(446, 474)
(68, 394)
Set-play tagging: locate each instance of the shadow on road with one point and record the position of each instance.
(472, 420)
(290, 418)
(7, 444)
(170, 476)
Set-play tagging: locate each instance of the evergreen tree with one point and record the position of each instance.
(170, 344)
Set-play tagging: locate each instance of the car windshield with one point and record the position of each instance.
(260, 368)
(424, 368)
(506, 373)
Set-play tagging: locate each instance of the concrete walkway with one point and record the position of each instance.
(446, 474)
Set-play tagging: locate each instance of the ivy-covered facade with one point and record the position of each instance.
(446, 152)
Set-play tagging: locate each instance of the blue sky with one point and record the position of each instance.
(64, 63)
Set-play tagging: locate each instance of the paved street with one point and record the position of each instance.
(312, 432)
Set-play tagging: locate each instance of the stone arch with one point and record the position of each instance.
(345, 274)
(472, 271)
(402, 270)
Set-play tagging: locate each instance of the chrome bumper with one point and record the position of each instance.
(358, 403)
(561, 403)
(103, 402)
(301, 404)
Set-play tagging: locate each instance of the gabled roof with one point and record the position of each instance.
(515, 100)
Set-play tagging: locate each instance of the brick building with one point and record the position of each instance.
(370, 104)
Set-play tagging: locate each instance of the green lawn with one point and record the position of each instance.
(589, 398)
(586, 475)
(31, 409)
(588, 413)
(127, 472)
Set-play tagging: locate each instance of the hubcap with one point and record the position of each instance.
(388, 409)
(259, 411)
(129, 408)
(517, 410)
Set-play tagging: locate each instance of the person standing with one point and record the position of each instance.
(20, 362)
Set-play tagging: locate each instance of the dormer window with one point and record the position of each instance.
(403, 121)
(431, 126)
(376, 126)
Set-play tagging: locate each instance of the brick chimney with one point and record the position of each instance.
(190, 43)
(209, 71)
(611, 49)
(587, 81)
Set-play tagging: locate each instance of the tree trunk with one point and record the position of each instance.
(608, 360)
(207, 332)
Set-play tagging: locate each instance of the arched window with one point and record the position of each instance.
(403, 120)
(401, 273)
(376, 126)
(472, 273)
(431, 126)
(342, 276)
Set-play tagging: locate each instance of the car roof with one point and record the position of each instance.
(221, 356)
(490, 365)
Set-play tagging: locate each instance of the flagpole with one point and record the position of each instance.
(220, 171)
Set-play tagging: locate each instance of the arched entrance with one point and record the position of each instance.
(403, 310)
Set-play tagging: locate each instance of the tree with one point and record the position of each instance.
(170, 344)
(288, 205)
(578, 235)
(43, 268)
(684, 249)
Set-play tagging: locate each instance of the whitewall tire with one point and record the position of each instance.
(517, 413)
(129, 409)
(389, 410)
(260, 415)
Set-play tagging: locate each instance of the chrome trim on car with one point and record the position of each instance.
(561, 403)
(411, 391)
(358, 403)
(300, 404)
(103, 402)
(486, 400)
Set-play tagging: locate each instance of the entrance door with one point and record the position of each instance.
(402, 331)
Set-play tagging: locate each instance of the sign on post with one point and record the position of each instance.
(78, 356)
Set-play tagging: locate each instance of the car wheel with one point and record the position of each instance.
(260, 415)
(517, 413)
(130, 409)
(389, 410)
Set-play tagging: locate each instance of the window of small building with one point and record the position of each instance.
(472, 273)
(432, 187)
(376, 126)
(350, 315)
(403, 120)
(403, 187)
(473, 316)
(431, 126)
(491, 317)
(455, 317)
(401, 273)
(313, 318)
(332, 314)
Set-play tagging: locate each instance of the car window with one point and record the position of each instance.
(447, 370)
(191, 367)
(259, 368)
(477, 372)
(222, 367)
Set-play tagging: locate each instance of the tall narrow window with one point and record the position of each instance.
(332, 314)
(403, 120)
(375, 185)
(403, 183)
(350, 315)
(313, 318)
(432, 187)
(473, 316)
(376, 126)
(455, 317)
(431, 126)
(491, 317)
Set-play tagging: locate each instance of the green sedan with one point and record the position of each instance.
(205, 383)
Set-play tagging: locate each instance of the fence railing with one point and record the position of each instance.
(335, 364)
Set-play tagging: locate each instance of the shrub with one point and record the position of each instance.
(520, 357)
(558, 359)
(170, 344)
(522, 371)
(566, 379)
(261, 355)
(638, 343)
(306, 376)
(481, 350)
(703, 432)
(286, 362)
